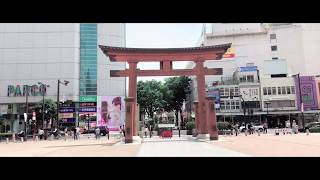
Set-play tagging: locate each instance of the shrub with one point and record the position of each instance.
(190, 125)
(223, 125)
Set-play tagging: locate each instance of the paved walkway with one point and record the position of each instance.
(59, 148)
(183, 147)
(269, 145)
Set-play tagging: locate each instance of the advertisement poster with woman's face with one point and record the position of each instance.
(111, 112)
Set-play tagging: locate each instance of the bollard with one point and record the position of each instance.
(307, 130)
(37, 138)
(21, 139)
(246, 132)
(7, 140)
(258, 132)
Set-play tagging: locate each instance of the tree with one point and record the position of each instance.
(179, 87)
(149, 97)
(50, 110)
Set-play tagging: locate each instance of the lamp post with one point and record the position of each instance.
(27, 109)
(44, 86)
(64, 83)
(301, 103)
(267, 103)
(243, 108)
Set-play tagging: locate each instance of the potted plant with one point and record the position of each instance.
(190, 126)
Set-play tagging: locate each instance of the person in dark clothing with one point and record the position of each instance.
(75, 134)
(107, 129)
(124, 131)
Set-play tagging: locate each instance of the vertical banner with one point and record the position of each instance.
(111, 112)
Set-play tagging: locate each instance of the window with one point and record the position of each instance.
(283, 90)
(269, 90)
(274, 48)
(264, 91)
(227, 104)
(226, 92)
(273, 36)
(288, 90)
(274, 90)
(222, 106)
(293, 90)
(250, 78)
(243, 79)
(221, 91)
(279, 90)
(231, 91)
(275, 58)
(236, 91)
(237, 105)
(233, 105)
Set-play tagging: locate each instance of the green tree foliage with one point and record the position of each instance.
(149, 96)
(154, 95)
(178, 87)
(50, 106)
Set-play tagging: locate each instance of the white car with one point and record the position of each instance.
(256, 128)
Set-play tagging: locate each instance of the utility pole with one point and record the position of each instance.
(301, 103)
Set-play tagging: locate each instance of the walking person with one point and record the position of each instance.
(124, 131)
(65, 133)
(97, 130)
(236, 129)
(41, 132)
(146, 131)
(150, 133)
(265, 128)
(75, 133)
(107, 129)
(78, 133)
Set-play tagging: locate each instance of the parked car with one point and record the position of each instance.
(103, 131)
(313, 125)
(256, 128)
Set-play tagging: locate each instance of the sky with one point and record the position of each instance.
(162, 35)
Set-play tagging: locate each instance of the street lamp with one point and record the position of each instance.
(267, 103)
(27, 111)
(301, 103)
(243, 107)
(44, 86)
(64, 83)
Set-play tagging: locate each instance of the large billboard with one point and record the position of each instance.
(111, 112)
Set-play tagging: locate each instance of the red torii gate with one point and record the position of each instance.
(165, 56)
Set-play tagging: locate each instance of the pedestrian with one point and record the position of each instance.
(78, 132)
(75, 133)
(150, 133)
(65, 133)
(97, 130)
(265, 128)
(41, 132)
(237, 129)
(107, 129)
(146, 131)
(124, 131)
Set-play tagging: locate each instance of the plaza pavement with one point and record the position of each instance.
(265, 145)
(270, 145)
(71, 148)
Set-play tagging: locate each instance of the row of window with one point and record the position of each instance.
(247, 78)
(229, 104)
(229, 91)
(88, 59)
(283, 90)
(280, 104)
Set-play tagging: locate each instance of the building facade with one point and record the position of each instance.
(31, 54)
